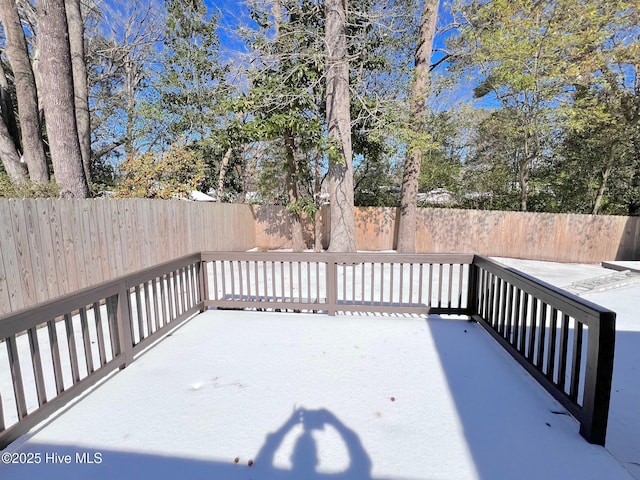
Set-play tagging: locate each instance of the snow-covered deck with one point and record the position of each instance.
(311, 396)
(353, 396)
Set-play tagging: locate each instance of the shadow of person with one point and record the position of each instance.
(304, 457)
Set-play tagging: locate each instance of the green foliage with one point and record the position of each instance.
(176, 173)
(27, 189)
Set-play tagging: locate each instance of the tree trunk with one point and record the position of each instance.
(413, 160)
(58, 96)
(339, 128)
(26, 93)
(6, 104)
(297, 238)
(223, 172)
(603, 182)
(10, 156)
(80, 82)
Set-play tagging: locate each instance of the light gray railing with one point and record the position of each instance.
(65, 346)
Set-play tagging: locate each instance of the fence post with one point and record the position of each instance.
(332, 286)
(204, 283)
(125, 338)
(472, 288)
(598, 378)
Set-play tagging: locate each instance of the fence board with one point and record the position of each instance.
(43, 222)
(15, 298)
(23, 255)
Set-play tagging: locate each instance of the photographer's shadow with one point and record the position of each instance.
(304, 457)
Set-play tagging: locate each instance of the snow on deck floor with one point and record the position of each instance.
(315, 397)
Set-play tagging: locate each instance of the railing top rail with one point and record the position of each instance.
(29, 317)
(542, 290)
(385, 257)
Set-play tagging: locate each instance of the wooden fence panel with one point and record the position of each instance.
(52, 247)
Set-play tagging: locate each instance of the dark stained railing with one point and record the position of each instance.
(565, 342)
(67, 345)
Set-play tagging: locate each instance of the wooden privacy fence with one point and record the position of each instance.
(51, 247)
(60, 348)
(536, 236)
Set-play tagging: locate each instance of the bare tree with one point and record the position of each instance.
(57, 96)
(413, 159)
(80, 83)
(26, 93)
(339, 128)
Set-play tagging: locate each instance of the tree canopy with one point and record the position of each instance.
(529, 105)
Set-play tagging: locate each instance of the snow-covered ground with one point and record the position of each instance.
(355, 396)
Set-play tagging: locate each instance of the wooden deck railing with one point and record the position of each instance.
(565, 342)
(65, 346)
(331, 282)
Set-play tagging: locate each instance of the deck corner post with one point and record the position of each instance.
(204, 284)
(472, 291)
(598, 378)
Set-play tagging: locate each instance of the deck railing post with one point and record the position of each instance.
(204, 283)
(332, 286)
(598, 378)
(125, 338)
(472, 289)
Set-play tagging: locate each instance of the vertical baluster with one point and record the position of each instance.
(372, 282)
(282, 291)
(176, 293)
(156, 302)
(502, 322)
(449, 293)
(576, 361)
(147, 307)
(381, 283)
(353, 283)
(36, 363)
(420, 272)
(533, 330)
(411, 267)
(542, 337)
(249, 297)
(16, 376)
(461, 275)
(523, 322)
(509, 317)
(440, 282)
(164, 299)
(215, 279)
(232, 285)
(516, 319)
(363, 266)
(55, 356)
(300, 292)
(100, 333)
(240, 282)
(401, 289)
(86, 340)
(552, 345)
(430, 285)
(170, 298)
(141, 334)
(564, 344)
